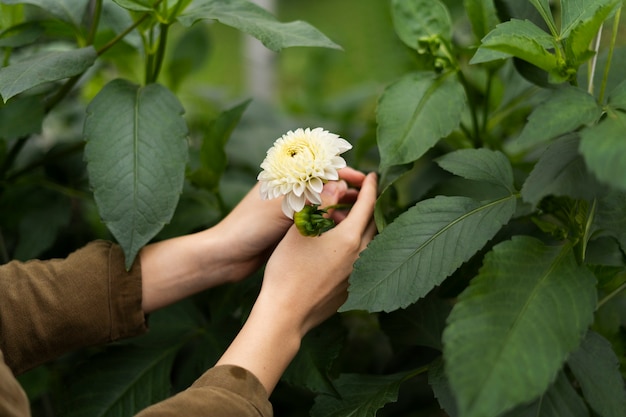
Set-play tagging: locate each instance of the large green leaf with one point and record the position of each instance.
(253, 20)
(70, 11)
(121, 382)
(421, 248)
(596, 368)
(561, 171)
(418, 20)
(482, 15)
(514, 326)
(414, 113)
(440, 385)
(617, 96)
(213, 159)
(44, 67)
(483, 165)
(519, 38)
(564, 111)
(136, 154)
(584, 31)
(21, 117)
(604, 148)
(361, 395)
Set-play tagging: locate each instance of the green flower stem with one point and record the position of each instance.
(157, 61)
(95, 22)
(609, 58)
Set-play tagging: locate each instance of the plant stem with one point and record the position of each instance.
(122, 35)
(611, 295)
(95, 21)
(609, 58)
(160, 53)
(592, 64)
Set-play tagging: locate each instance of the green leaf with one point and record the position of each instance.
(617, 97)
(255, 21)
(440, 385)
(573, 12)
(312, 364)
(414, 113)
(121, 382)
(21, 117)
(596, 368)
(610, 218)
(421, 248)
(70, 11)
(604, 149)
(514, 326)
(560, 400)
(416, 20)
(566, 110)
(190, 53)
(584, 31)
(136, 154)
(361, 395)
(136, 5)
(543, 7)
(482, 15)
(519, 38)
(44, 67)
(20, 35)
(561, 171)
(483, 165)
(213, 159)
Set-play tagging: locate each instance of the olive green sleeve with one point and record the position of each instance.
(48, 308)
(222, 391)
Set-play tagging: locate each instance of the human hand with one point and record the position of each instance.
(254, 227)
(306, 278)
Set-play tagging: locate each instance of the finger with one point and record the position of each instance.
(351, 176)
(333, 192)
(361, 213)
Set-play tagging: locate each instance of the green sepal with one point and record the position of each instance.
(310, 221)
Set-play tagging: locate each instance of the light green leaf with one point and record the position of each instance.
(484, 165)
(575, 11)
(604, 149)
(44, 67)
(482, 15)
(414, 113)
(617, 97)
(421, 248)
(253, 20)
(566, 110)
(121, 382)
(136, 154)
(311, 366)
(514, 326)
(361, 395)
(561, 171)
(596, 368)
(519, 38)
(560, 400)
(21, 116)
(584, 31)
(416, 20)
(213, 159)
(70, 11)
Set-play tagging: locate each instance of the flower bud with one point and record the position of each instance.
(310, 221)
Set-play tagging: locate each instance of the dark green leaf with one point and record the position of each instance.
(482, 14)
(253, 20)
(311, 366)
(21, 117)
(417, 20)
(604, 148)
(361, 396)
(213, 160)
(576, 11)
(610, 218)
(566, 110)
(584, 31)
(70, 11)
(20, 35)
(421, 248)
(596, 368)
(519, 38)
(514, 326)
(136, 154)
(482, 165)
(121, 382)
(44, 67)
(441, 387)
(560, 400)
(561, 171)
(617, 97)
(414, 113)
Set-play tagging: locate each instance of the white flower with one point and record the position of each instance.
(298, 165)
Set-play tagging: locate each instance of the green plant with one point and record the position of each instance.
(497, 280)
